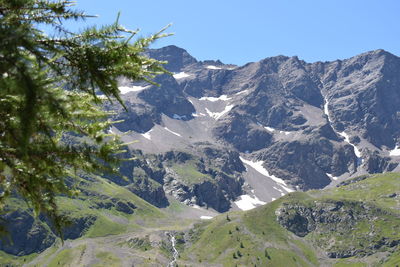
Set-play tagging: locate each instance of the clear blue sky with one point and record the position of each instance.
(238, 31)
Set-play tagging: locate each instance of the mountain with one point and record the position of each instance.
(293, 125)
(214, 138)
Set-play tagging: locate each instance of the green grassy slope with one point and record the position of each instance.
(102, 208)
(357, 224)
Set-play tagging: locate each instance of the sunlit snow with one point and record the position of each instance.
(181, 75)
(395, 151)
(217, 115)
(258, 167)
(347, 140)
(213, 99)
(247, 202)
(326, 111)
(206, 217)
(211, 67)
(147, 134)
(128, 89)
(270, 129)
(172, 132)
(277, 189)
(331, 176)
(242, 92)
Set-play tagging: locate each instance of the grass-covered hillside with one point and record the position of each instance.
(356, 224)
(102, 208)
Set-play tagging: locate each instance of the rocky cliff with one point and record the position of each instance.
(309, 125)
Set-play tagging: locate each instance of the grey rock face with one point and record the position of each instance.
(308, 123)
(221, 183)
(26, 234)
(243, 136)
(365, 95)
(167, 98)
(327, 221)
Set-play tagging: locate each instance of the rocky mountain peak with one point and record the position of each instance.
(300, 125)
(176, 57)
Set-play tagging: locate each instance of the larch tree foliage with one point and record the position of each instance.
(49, 87)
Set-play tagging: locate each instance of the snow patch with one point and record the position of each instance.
(395, 151)
(147, 134)
(217, 115)
(331, 176)
(326, 111)
(165, 128)
(180, 75)
(179, 117)
(242, 92)
(347, 140)
(198, 114)
(247, 202)
(214, 99)
(272, 199)
(206, 217)
(270, 129)
(211, 67)
(257, 165)
(277, 189)
(127, 89)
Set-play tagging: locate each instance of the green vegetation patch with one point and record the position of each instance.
(68, 257)
(107, 259)
(189, 174)
(11, 260)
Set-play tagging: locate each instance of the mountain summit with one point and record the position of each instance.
(291, 125)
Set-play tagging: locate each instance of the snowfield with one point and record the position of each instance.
(181, 75)
(395, 151)
(331, 176)
(257, 165)
(217, 115)
(175, 133)
(214, 99)
(147, 135)
(128, 89)
(211, 67)
(247, 202)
